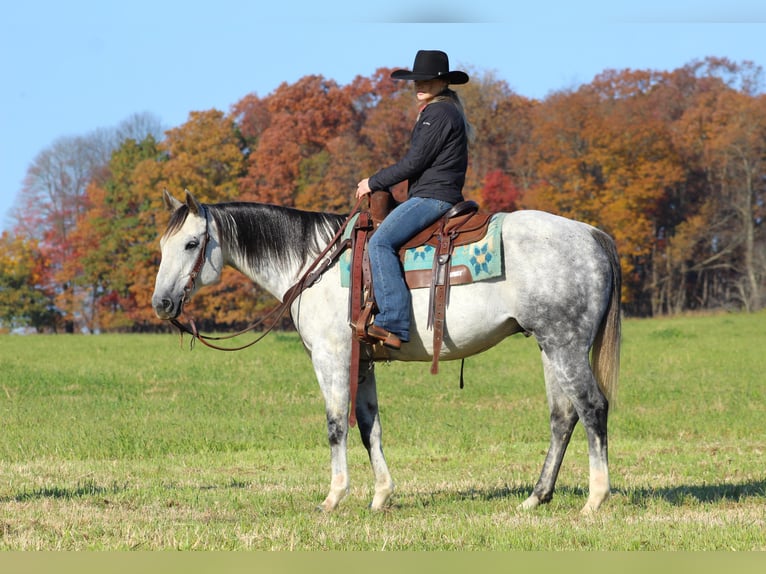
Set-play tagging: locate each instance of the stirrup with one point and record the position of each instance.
(363, 321)
(380, 335)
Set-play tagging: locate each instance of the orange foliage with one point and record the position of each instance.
(291, 150)
(205, 155)
(669, 163)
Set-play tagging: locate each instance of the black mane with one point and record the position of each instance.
(282, 235)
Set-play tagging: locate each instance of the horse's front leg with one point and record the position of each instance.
(337, 433)
(333, 381)
(368, 419)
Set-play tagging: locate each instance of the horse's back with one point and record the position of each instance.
(556, 285)
(557, 268)
(540, 228)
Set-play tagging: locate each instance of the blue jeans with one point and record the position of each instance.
(392, 295)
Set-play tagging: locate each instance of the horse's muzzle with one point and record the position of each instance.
(165, 308)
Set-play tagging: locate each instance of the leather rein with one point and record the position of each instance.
(312, 274)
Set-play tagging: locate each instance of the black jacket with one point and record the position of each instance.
(437, 160)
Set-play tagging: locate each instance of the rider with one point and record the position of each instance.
(434, 167)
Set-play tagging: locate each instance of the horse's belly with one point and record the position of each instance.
(478, 317)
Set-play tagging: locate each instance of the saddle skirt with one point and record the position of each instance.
(477, 256)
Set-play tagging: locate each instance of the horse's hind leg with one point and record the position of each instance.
(370, 430)
(563, 418)
(573, 395)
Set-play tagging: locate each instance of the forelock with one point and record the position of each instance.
(177, 221)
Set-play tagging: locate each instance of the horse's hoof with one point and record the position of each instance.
(326, 506)
(529, 503)
(592, 506)
(380, 504)
(382, 497)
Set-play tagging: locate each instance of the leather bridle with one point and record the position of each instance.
(312, 274)
(198, 264)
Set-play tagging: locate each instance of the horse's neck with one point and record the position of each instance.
(275, 275)
(267, 275)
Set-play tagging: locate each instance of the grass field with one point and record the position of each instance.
(134, 442)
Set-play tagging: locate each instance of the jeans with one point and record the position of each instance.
(392, 295)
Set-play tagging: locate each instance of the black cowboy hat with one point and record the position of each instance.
(429, 65)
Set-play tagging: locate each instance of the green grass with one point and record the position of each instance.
(134, 442)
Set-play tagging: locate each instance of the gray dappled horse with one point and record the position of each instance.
(561, 284)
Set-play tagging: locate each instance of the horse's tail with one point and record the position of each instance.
(605, 356)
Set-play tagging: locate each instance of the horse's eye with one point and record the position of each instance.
(193, 244)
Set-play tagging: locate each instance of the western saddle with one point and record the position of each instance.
(461, 225)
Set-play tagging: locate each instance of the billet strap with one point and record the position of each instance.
(438, 297)
(440, 283)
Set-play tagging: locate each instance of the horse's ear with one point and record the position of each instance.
(170, 202)
(191, 201)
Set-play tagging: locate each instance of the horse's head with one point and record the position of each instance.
(191, 256)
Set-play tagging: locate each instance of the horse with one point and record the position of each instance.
(561, 284)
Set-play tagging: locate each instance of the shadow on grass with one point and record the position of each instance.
(83, 489)
(701, 493)
(674, 495)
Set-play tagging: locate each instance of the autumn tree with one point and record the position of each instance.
(713, 251)
(732, 140)
(328, 181)
(740, 169)
(114, 240)
(205, 155)
(53, 199)
(502, 124)
(288, 159)
(23, 302)
(499, 192)
(605, 157)
(388, 111)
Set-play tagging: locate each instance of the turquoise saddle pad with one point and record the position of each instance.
(483, 258)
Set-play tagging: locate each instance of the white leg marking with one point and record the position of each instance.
(339, 488)
(599, 490)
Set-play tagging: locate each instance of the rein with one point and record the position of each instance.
(312, 274)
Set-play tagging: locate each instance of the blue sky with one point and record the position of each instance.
(69, 68)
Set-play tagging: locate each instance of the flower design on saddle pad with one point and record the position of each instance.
(481, 258)
(422, 252)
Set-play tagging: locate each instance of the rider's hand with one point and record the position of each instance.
(363, 188)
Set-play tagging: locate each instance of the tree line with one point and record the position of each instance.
(670, 163)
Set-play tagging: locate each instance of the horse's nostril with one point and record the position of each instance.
(162, 304)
